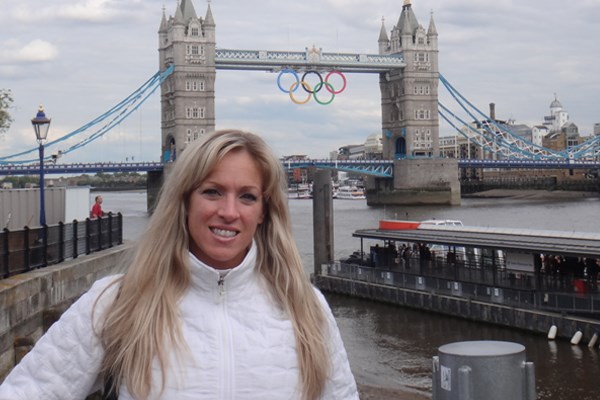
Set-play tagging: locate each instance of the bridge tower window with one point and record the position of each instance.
(422, 114)
(193, 49)
(421, 57)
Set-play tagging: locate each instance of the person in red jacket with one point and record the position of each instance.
(97, 208)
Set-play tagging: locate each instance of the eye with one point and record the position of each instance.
(249, 198)
(210, 193)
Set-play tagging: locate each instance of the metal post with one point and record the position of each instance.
(42, 203)
(322, 220)
(75, 238)
(110, 229)
(5, 244)
(41, 124)
(61, 241)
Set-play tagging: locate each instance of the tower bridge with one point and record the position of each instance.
(408, 69)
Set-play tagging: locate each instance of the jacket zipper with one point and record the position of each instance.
(226, 374)
(221, 284)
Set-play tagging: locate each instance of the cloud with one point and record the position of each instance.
(90, 11)
(37, 50)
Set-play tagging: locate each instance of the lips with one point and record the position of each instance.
(227, 233)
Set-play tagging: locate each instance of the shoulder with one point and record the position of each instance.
(324, 305)
(95, 301)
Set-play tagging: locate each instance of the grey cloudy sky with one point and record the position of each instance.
(81, 57)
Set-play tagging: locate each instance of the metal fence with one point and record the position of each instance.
(28, 249)
(504, 288)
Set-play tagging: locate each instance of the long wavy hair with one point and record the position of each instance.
(142, 324)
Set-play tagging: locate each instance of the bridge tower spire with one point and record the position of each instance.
(409, 97)
(410, 121)
(188, 94)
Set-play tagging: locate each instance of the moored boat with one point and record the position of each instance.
(301, 191)
(397, 225)
(351, 193)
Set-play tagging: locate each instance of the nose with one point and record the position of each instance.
(228, 209)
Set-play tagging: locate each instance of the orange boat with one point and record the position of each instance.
(397, 225)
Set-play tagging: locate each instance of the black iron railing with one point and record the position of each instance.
(28, 249)
(525, 291)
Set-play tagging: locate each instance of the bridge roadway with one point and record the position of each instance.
(311, 59)
(380, 168)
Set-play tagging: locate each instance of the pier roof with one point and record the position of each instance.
(568, 243)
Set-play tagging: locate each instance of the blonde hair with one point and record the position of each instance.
(142, 324)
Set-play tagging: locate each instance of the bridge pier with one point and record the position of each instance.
(417, 181)
(154, 183)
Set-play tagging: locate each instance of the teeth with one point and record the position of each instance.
(223, 232)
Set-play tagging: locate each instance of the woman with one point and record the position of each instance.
(215, 305)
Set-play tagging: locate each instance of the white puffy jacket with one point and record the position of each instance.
(241, 346)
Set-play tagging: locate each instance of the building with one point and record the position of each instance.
(373, 146)
(188, 94)
(563, 139)
(409, 96)
(557, 118)
(296, 175)
(538, 133)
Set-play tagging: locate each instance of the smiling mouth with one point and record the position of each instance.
(223, 232)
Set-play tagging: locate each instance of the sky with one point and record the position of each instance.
(79, 58)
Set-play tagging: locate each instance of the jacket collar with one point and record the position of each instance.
(206, 277)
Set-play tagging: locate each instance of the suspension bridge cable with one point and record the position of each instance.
(500, 139)
(121, 109)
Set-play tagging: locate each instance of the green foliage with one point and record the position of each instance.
(6, 100)
(101, 181)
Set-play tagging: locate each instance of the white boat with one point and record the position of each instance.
(300, 191)
(351, 193)
(444, 222)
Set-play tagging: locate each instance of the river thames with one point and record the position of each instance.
(391, 347)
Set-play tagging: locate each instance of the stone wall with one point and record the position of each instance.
(31, 302)
(417, 181)
(530, 320)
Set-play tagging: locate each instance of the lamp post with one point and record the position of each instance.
(41, 124)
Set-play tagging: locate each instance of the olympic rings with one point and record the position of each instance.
(341, 76)
(320, 84)
(329, 87)
(306, 87)
(288, 71)
(312, 92)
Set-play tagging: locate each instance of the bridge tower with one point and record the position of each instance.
(410, 121)
(188, 94)
(409, 96)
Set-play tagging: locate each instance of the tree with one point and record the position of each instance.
(6, 101)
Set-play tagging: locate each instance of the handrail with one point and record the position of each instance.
(28, 249)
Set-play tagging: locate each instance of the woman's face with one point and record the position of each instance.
(225, 210)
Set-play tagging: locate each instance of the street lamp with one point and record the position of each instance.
(41, 124)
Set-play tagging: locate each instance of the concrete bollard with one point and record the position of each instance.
(490, 370)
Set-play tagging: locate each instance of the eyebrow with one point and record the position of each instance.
(220, 186)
